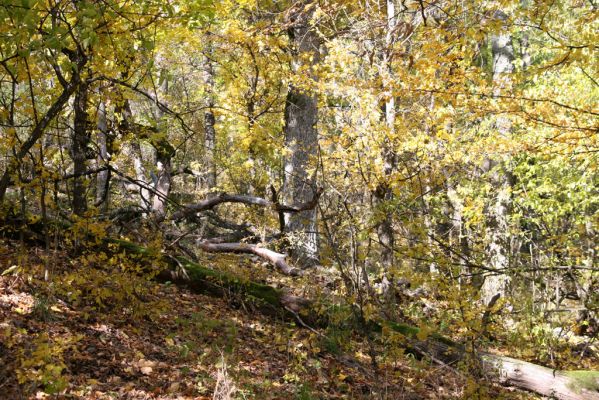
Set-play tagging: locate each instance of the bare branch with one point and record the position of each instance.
(244, 199)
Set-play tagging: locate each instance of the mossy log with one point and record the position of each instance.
(196, 276)
(561, 385)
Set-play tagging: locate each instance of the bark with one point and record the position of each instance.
(79, 149)
(164, 154)
(185, 271)
(103, 177)
(162, 186)
(154, 193)
(383, 193)
(145, 196)
(126, 126)
(458, 235)
(276, 259)
(301, 139)
(209, 181)
(498, 232)
(562, 385)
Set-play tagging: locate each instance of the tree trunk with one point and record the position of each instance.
(209, 181)
(498, 229)
(162, 186)
(562, 385)
(198, 277)
(164, 154)
(79, 148)
(458, 234)
(145, 195)
(103, 177)
(127, 126)
(383, 193)
(301, 139)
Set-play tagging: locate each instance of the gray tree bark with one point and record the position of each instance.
(103, 177)
(498, 229)
(209, 180)
(127, 126)
(301, 140)
(164, 154)
(383, 193)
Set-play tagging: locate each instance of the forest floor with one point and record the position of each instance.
(175, 344)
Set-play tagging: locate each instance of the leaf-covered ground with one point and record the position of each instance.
(175, 344)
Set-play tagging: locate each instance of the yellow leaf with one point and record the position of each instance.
(423, 332)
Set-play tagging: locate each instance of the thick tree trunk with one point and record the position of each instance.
(79, 148)
(185, 271)
(562, 385)
(498, 230)
(301, 140)
(162, 186)
(145, 196)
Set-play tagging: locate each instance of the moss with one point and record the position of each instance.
(259, 291)
(588, 380)
(199, 274)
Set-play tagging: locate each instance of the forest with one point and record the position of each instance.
(299, 199)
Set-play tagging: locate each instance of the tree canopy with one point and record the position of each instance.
(397, 180)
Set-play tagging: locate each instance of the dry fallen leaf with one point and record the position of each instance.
(146, 370)
(174, 387)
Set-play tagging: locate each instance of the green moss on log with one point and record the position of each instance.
(203, 276)
(264, 293)
(587, 380)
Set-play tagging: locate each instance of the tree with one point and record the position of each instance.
(301, 135)
(498, 230)
(424, 155)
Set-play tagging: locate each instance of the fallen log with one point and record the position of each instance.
(277, 259)
(196, 276)
(560, 385)
(563, 385)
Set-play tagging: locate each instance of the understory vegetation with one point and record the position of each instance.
(299, 199)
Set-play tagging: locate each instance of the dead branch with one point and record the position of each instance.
(212, 202)
(276, 259)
